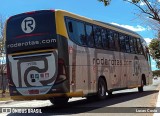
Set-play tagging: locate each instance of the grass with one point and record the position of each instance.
(6, 91)
(5, 99)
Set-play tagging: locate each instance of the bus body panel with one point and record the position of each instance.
(33, 74)
(84, 74)
(121, 70)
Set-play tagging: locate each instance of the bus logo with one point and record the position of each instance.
(28, 25)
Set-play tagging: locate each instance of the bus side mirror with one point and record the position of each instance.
(70, 27)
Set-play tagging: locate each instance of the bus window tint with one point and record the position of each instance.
(135, 45)
(89, 35)
(70, 27)
(111, 40)
(127, 44)
(132, 47)
(139, 46)
(97, 36)
(105, 41)
(122, 43)
(76, 31)
(116, 41)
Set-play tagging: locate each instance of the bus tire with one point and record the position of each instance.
(101, 94)
(91, 98)
(140, 89)
(110, 93)
(59, 100)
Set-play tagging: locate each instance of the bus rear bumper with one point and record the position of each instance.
(48, 96)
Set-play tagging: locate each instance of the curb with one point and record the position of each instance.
(158, 101)
(5, 102)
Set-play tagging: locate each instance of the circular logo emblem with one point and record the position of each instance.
(28, 25)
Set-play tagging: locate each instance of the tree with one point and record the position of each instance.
(154, 48)
(106, 2)
(151, 8)
(2, 55)
(156, 73)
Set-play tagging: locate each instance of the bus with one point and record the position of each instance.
(57, 55)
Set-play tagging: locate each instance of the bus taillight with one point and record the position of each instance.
(61, 71)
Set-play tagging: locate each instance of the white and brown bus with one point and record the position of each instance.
(56, 55)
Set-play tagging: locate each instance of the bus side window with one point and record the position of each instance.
(116, 41)
(127, 44)
(139, 46)
(81, 33)
(76, 31)
(132, 45)
(89, 35)
(105, 41)
(135, 45)
(97, 36)
(70, 27)
(111, 40)
(122, 42)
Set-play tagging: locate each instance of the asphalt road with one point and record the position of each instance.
(126, 103)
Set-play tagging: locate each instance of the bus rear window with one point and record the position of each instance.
(31, 31)
(31, 24)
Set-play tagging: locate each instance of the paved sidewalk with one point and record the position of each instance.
(5, 102)
(158, 102)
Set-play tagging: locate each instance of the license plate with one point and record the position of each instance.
(34, 91)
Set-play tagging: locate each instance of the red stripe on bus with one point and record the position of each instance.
(30, 12)
(52, 10)
(29, 35)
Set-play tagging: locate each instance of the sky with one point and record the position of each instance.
(118, 12)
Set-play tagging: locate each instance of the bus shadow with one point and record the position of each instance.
(92, 106)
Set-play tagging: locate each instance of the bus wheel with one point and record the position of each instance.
(110, 93)
(101, 89)
(59, 100)
(140, 89)
(91, 98)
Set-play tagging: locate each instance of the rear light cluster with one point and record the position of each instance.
(61, 71)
